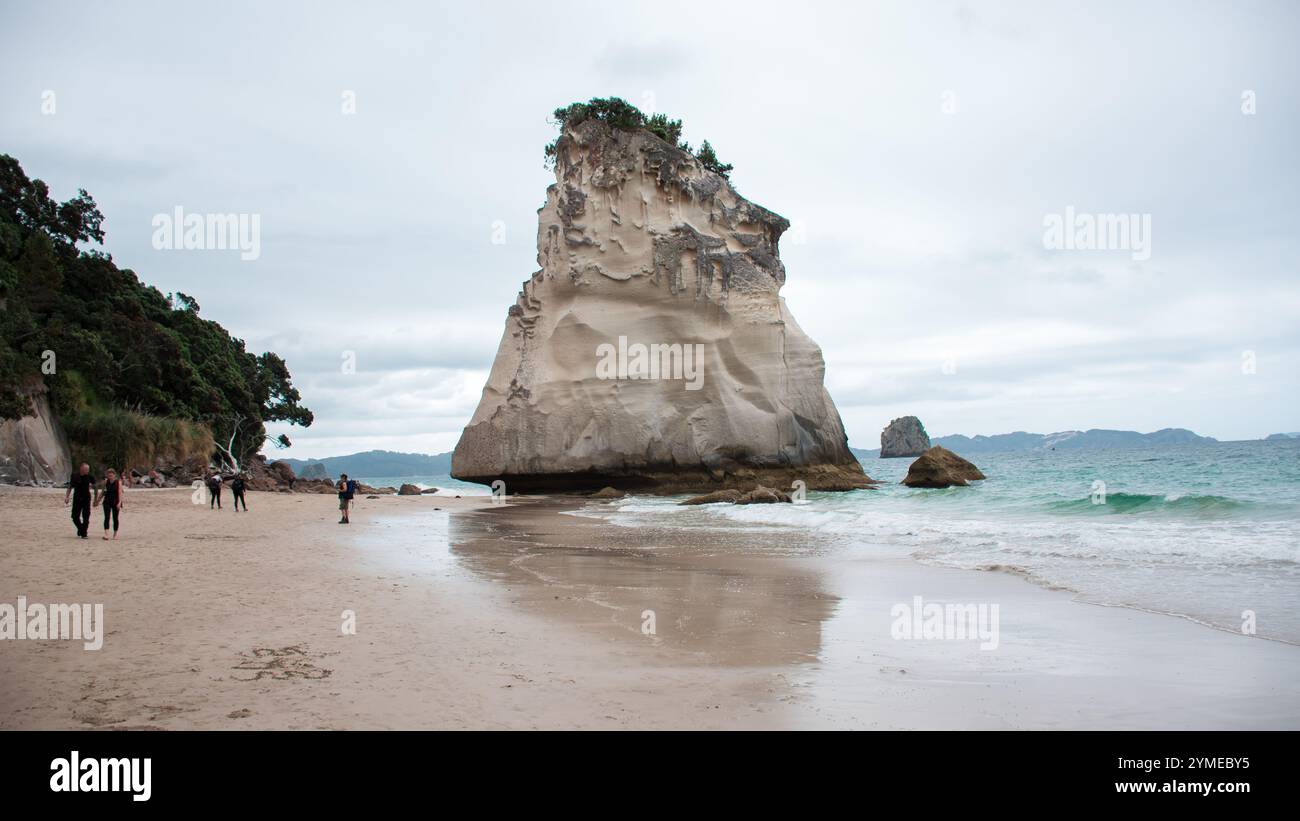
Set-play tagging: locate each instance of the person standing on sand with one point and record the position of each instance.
(79, 487)
(345, 498)
(237, 491)
(214, 491)
(112, 499)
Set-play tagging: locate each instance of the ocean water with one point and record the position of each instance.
(1205, 532)
(446, 485)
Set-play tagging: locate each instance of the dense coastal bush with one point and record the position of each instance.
(621, 114)
(128, 361)
(105, 437)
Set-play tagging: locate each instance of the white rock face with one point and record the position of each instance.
(653, 349)
(33, 449)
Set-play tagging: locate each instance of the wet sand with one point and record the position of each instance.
(818, 627)
(520, 616)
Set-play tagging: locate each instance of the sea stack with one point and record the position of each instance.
(653, 350)
(904, 436)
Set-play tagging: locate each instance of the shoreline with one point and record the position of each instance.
(1128, 668)
(517, 616)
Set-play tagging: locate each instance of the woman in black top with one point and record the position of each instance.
(112, 500)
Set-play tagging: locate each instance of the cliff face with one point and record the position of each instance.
(34, 449)
(653, 349)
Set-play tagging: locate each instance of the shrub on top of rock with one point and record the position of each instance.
(621, 114)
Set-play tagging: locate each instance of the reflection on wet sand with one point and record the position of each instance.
(708, 595)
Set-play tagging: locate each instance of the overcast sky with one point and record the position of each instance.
(917, 147)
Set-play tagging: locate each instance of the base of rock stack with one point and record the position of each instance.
(668, 483)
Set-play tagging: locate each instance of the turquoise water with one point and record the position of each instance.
(444, 483)
(1206, 532)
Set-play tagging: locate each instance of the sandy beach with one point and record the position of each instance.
(470, 615)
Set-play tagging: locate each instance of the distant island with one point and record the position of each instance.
(374, 463)
(1094, 439)
(387, 463)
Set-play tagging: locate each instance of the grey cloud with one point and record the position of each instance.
(923, 229)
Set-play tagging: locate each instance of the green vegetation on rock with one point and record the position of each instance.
(131, 372)
(621, 114)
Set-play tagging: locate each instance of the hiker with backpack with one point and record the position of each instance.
(347, 489)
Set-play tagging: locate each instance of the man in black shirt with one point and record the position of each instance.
(237, 490)
(79, 487)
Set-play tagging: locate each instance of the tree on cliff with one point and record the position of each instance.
(619, 113)
(117, 343)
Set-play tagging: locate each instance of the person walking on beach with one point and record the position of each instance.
(112, 500)
(237, 491)
(79, 488)
(214, 491)
(345, 497)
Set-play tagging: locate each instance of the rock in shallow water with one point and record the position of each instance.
(653, 349)
(758, 496)
(939, 467)
(904, 436)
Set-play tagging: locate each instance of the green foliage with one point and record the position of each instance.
(621, 114)
(670, 131)
(612, 110)
(120, 346)
(118, 438)
(709, 159)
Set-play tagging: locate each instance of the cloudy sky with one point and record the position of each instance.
(918, 147)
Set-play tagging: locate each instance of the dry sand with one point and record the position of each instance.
(517, 616)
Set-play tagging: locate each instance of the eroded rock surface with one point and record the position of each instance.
(34, 449)
(652, 350)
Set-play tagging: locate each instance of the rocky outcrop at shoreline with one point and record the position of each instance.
(652, 351)
(758, 496)
(904, 436)
(939, 467)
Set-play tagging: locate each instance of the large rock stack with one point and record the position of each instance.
(653, 350)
